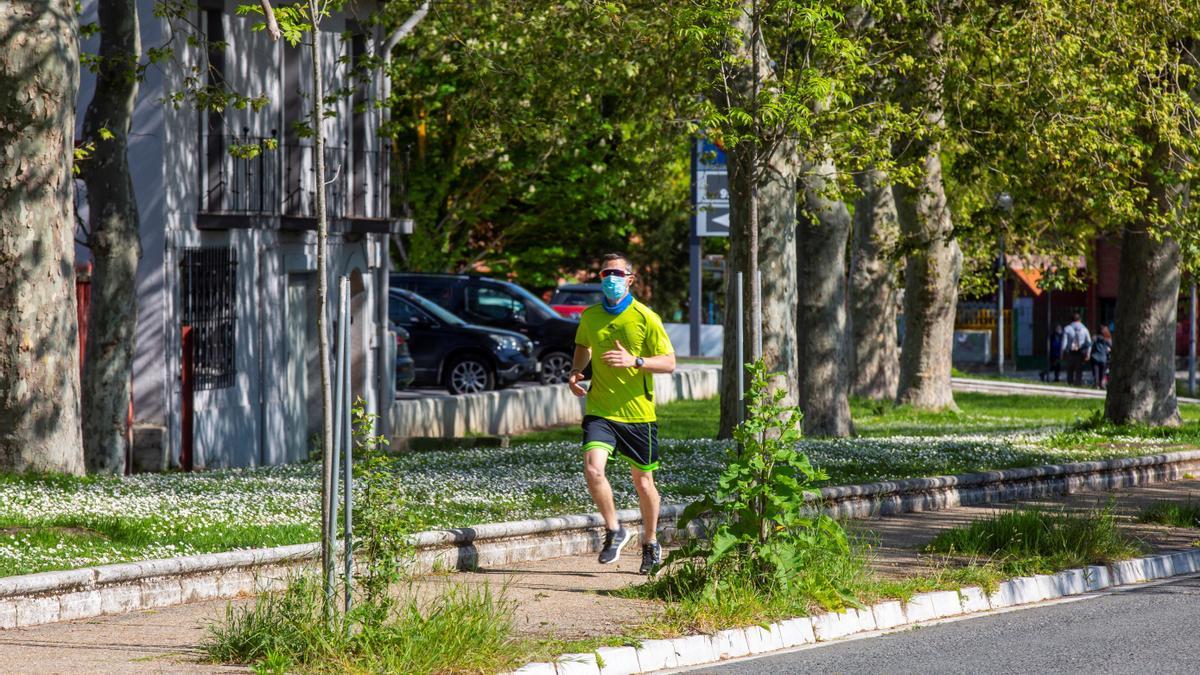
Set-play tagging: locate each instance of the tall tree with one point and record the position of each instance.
(39, 348)
(113, 239)
(823, 376)
(1101, 142)
(873, 350)
(779, 76)
(932, 254)
(538, 133)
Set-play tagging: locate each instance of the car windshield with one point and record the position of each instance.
(438, 312)
(544, 309)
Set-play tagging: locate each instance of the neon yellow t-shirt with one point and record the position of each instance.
(622, 394)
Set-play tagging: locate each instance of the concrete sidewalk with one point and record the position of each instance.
(564, 597)
(983, 385)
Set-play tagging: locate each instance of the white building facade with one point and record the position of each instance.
(226, 201)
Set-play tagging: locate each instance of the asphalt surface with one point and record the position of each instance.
(1147, 629)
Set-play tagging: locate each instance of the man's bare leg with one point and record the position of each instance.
(594, 462)
(648, 501)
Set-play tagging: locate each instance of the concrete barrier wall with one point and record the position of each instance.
(513, 411)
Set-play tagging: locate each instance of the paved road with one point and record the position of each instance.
(1148, 629)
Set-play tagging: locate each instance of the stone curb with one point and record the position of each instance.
(698, 650)
(125, 587)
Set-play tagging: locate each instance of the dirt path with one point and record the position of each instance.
(564, 597)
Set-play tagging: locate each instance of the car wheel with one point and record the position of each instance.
(470, 375)
(556, 368)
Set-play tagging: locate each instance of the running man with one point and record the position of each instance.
(619, 420)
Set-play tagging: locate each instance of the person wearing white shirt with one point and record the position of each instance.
(1077, 342)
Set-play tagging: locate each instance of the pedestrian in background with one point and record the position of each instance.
(1101, 355)
(1055, 365)
(1076, 343)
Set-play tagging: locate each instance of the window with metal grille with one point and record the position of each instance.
(208, 281)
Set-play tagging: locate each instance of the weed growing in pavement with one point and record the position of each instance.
(766, 553)
(1172, 514)
(385, 631)
(462, 629)
(1028, 541)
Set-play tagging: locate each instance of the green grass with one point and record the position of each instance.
(978, 413)
(62, 522)
(1029, 541)
(461, 630)
(679, 419)
(1172, 514)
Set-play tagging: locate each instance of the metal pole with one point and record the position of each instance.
(694, 251)
(338, 412)
(1000, 310)
(1192, 345)
(758, 327)
(348, 444)
(741, 354)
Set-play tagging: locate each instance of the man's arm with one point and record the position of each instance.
(582, 356)
(619, 357)
(664, 363)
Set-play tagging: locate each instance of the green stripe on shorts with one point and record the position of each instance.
(598, 445)
(644, 467)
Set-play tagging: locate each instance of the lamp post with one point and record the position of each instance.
(1005, 202)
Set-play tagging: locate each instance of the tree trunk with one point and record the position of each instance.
(872, 353)
(1142, 386)
(328, 535)
(822, 231)
(39, 346)
(762, 176)
(934, 262)
(777, 261)
(116, 248)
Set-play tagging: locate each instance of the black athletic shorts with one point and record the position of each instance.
(637, 442)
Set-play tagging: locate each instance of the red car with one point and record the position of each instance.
(570, 300)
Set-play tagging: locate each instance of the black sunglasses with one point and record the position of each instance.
(613, 272)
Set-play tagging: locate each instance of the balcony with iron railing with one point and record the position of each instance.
(244, 177)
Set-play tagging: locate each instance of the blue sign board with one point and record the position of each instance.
(710, 189)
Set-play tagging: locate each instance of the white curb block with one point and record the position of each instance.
(796, 632)
(923, 607)
(578, 664)
(973, 600)
(694, 650)
(618, 660)
(731, 644)
(889, 615)
(656, 655)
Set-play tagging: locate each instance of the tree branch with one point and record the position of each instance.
(272, 24)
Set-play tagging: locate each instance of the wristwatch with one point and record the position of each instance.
(638, 362)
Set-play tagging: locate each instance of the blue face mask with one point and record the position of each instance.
(613, 287)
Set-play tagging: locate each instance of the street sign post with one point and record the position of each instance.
(710, 218)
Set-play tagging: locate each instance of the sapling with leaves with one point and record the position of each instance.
(762, 529)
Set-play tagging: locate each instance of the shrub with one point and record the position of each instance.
(768, 552)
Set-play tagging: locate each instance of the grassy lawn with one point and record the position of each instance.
(58, 522)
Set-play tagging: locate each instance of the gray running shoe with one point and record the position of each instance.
(651, 557)
(614, 541)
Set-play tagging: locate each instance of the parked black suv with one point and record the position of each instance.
(505, 305)
(449, 351)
